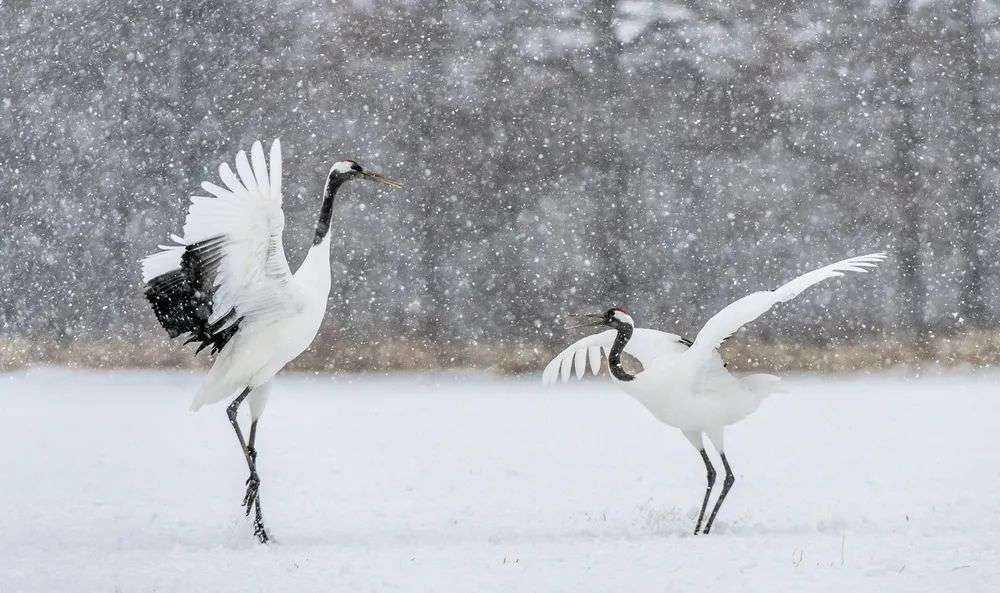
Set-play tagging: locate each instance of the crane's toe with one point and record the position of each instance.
(260, 532)
(253, 486)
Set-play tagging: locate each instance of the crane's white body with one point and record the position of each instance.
(680, 391)
(682, 395)
(689, 387)
(253, 358)
(279, 312)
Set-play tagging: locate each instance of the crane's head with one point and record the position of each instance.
(614, 318)
(347, 169)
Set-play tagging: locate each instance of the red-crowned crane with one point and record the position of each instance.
(226, 285)
(684, 384)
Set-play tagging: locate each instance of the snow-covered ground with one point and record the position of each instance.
(472, 483)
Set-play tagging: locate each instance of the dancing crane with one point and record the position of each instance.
(226, 285)
(684, 384)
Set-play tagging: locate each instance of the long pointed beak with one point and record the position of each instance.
(380, 178)
(586, 320)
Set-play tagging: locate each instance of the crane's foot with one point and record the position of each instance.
(253, 482)
(251, 502)
(250, 497)
(258, 523)
(258, 529)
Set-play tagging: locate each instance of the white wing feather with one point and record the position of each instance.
(725, 323)
(253, 277)
(161, 262)
(645, 345)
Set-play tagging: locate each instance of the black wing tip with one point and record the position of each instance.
(182, 299)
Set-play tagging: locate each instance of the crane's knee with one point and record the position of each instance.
(709, 469)
(730, 478)
(232, 410)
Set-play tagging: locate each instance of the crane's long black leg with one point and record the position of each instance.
(250, 448)
(232, 411)
(726, 485)
(252, 496)
(251, 492)
(253, 481)
(708, 490)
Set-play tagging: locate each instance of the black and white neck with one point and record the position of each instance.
(623, 324)
(340, 172)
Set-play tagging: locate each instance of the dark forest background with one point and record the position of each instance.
(668, 157)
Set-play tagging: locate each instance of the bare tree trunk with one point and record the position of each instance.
(912, 289)
(613, 193)
(972, 199)
(189, 15)
(507, 289)
(432, 211)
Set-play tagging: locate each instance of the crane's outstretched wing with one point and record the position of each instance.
(645, 345)
(229, 267)
(724, 323)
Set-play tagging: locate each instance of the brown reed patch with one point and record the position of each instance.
(970, 349)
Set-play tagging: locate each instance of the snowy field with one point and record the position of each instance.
(472, 483)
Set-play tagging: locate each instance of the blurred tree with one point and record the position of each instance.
(902, 175)
(971, 206)
(559, 156)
